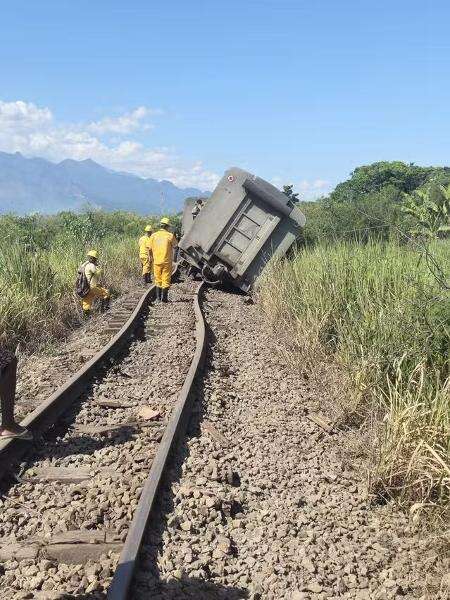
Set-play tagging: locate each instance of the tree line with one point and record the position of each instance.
(381, 201)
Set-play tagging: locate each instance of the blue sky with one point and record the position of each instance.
(296, 91)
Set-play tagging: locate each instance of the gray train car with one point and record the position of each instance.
(187, 218)
(245, 222)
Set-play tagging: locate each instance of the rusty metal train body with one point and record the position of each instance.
(241, 226)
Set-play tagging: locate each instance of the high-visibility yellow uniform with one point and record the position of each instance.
(162, 243)
(97, 291)
(144, 254)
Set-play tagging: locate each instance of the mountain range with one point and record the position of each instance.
(30, 185)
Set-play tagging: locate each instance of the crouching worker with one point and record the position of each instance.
(145, 254)
(8, 379)
(162, 244)
(88, 284)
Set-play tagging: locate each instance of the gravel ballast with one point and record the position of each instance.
(108, 442)
(41, 373)
(262, 501)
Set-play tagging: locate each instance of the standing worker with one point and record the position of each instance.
(197, 207)
(88, 287)
(8, 378)
(145, 254)
(162, 244)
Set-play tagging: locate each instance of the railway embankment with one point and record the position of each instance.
(263, 499)
(41, 372)
(372, 322)
(63, 523)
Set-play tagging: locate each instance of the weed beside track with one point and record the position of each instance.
(261, 502)
(382, 315)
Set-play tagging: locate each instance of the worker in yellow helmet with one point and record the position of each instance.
(91, 281)
(145, 254)
(162, 244)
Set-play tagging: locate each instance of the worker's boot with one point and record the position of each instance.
(86, 314)
(165, 294)
(147, 278)
(157, 294)
(104, 305)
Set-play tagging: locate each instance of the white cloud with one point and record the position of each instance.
(33, 131)
(314, 186)
(278, 182)
(308, 189)
(23, 115)
(124, 123)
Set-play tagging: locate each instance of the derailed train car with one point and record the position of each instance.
(188, 217)
(242, 225)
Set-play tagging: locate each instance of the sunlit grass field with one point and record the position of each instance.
(38, 303)
(39, 258)
(382, 313)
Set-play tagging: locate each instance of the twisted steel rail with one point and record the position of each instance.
(123, 576)
(49, 411)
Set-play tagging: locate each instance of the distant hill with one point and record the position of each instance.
(38, 185)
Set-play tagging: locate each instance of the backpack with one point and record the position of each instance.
(82, 286)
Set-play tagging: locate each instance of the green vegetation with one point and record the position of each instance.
(369, 292)
(382, 316)
(370, 205)
(39, 257)
(430, 209)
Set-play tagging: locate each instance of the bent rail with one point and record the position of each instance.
(176, 426)
(47, 413)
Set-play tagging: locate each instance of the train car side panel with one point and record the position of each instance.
(244, 223)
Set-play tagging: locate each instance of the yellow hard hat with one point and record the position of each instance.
(93, 253)
(165, 221)
(148, 228)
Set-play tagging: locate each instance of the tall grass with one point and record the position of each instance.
(378, 312)
(37, 286)
(39, 256)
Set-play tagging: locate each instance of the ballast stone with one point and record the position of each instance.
(299, 520)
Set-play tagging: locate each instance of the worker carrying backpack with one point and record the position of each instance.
(82, 286)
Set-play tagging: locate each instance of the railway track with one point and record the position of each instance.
(42, 373)
(258, 501)
(126, 567)
(120, 326)
(67, 517)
